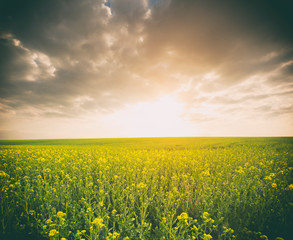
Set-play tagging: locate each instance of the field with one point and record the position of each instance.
(147, 188)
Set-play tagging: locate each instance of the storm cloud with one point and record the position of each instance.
(224, 60)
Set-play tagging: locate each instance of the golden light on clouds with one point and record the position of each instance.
(162, 117)
(124, 68)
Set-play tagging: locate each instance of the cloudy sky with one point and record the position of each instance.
(136, 68)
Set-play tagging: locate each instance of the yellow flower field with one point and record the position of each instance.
(147, 188)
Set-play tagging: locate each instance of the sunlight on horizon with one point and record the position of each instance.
(160, 118)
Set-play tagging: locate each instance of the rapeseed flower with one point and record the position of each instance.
(205, 215)
(98, 222)
(207, 236)
(60, 214)
(113, 235)
(53, 233)
(183, 216)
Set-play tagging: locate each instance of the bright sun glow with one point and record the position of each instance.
(160, 118)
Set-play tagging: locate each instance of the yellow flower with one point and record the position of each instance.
(291, 186)
(114, 212)
(113, 235)
(53, 233)
(195, 228)
(98, 222)
(183, 216)
(3, 174)
(60, 214)
(268, 178)
(49, 221)
(274, 185)
(141, 186)
(207, 236)
(264, 237)
(205, 215)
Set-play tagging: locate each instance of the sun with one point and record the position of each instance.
(162, 117)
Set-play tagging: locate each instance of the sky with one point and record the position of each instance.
(145, 68)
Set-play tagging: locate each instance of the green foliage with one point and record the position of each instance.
(147, 188)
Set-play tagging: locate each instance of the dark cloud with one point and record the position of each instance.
(129, 11)
(54, 27)
(68, 58)
(229, 36)
(74, 39)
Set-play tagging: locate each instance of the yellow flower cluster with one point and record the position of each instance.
(61, 214)
(141, 185)
(98, 222)
(53, 233)
(113, 235)
(207, 236)
(3, 174)
(205, 215)
(183, 216)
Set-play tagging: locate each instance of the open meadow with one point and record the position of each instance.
(147, 188)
